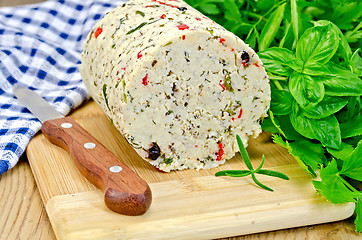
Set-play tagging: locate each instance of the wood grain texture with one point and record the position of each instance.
(58, 178)
(199, 208)
(22, 213)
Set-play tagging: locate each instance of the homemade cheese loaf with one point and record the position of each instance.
(178, 86)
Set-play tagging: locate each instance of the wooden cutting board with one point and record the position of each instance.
(186, 204)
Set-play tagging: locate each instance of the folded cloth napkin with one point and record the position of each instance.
(40, 47)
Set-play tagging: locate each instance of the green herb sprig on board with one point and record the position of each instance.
(312, 53)
(251, 171)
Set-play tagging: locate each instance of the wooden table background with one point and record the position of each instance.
(23, 216)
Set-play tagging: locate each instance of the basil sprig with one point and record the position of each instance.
(251, 171)
(318, 99)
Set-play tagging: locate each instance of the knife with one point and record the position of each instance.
(125, 191)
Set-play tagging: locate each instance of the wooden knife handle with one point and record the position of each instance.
(125, 191)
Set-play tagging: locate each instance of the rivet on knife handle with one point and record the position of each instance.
(125, 191)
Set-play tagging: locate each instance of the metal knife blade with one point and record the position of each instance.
(35, 103)
(125, 191)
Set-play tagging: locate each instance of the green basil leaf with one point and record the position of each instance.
(353, 109)
(352, 166)
(297, 87)
(252, 38)
(353, 140)
(352, 127)
(321, 23)
(280, 124)
(268, 126)
(271, 27)
(210, 9)
(326, 130)
(294, 11)
(305, 90)
(281, 103)
(325, 108)
(274, 57)
(318, 44)
(264, 4)
(358, 210)
(288, 129)
(356, 62)
(345, 151)
(342, 82)
(314, 68)
(301, 124)
(232, 12)
(312, 154)
(295, 64)
(239, 29)
(276, 77)
(287, 33)
(344, 49)
(332, 187)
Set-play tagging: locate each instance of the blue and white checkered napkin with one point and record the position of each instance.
(40, 47)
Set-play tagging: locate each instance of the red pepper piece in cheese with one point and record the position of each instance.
(220, 153)
(98, 32)
(183, 27)
(145, 80)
